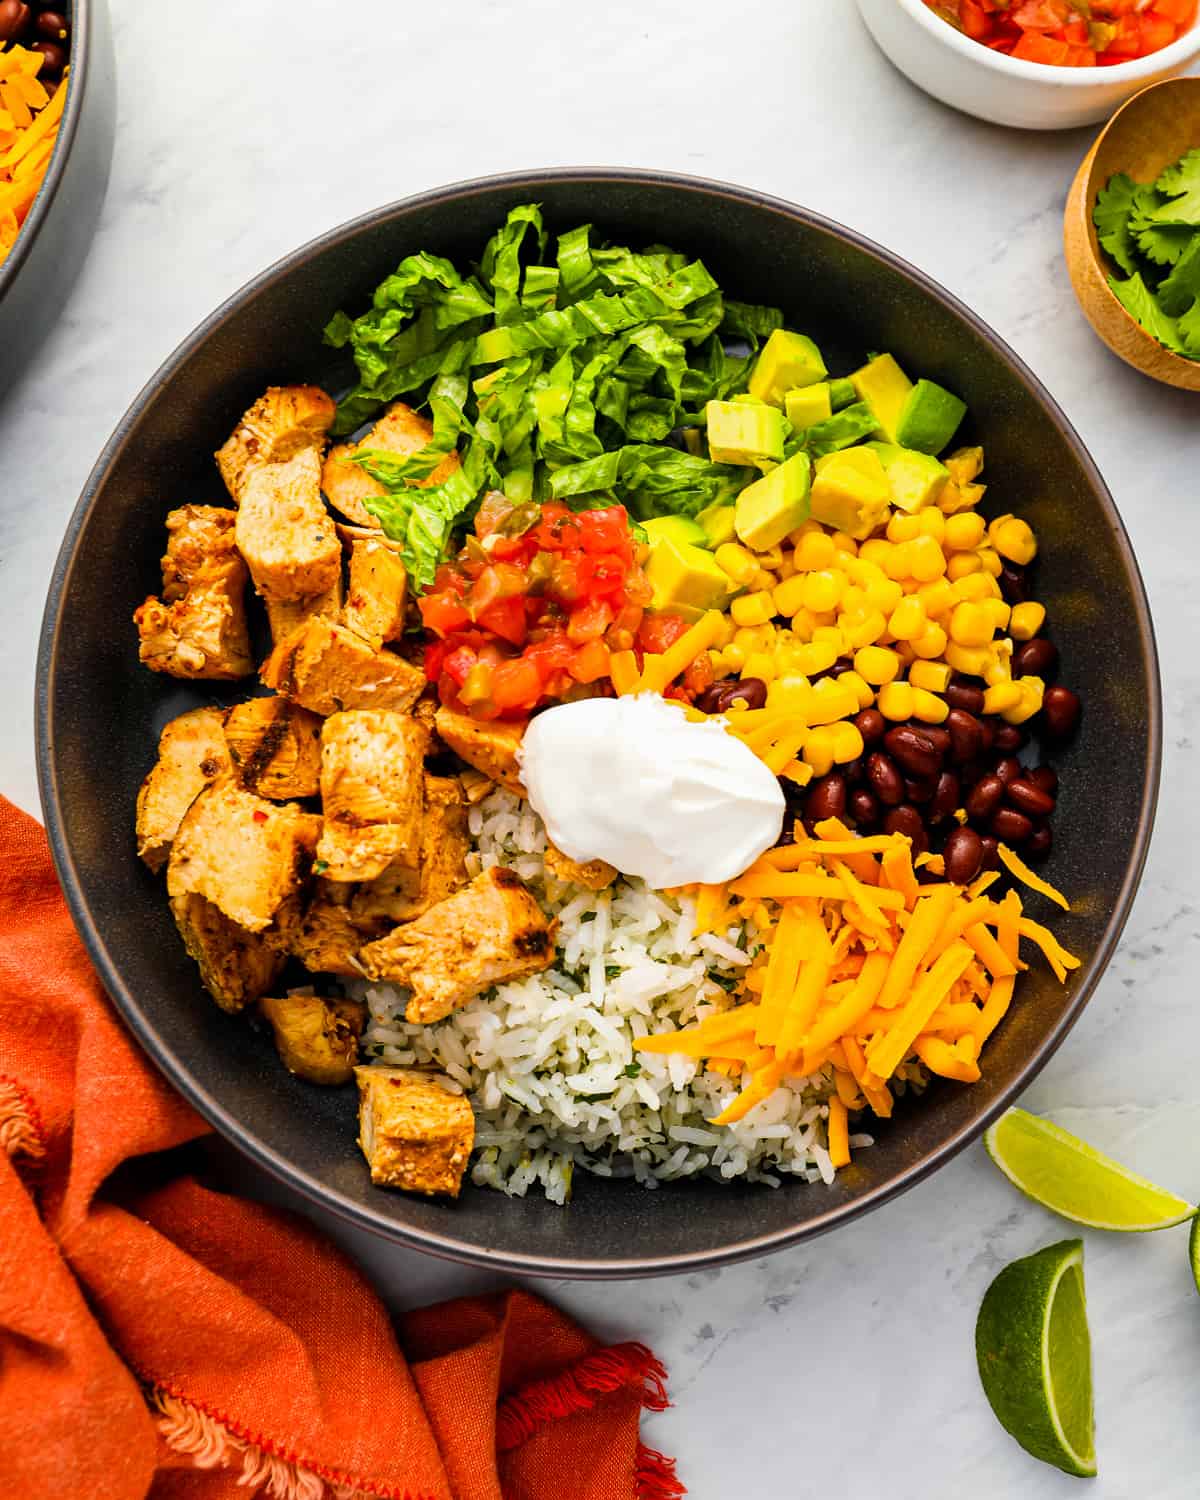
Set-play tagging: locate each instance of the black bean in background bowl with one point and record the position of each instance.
(55, 238)
(99, 711)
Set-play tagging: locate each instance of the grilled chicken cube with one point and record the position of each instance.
(489, 747)
(276, 747)
(284, 532)
(414, 1133)
(236, 966)
(378, 587)
(191, 754)
(330, 932)
(317, 1039)
(198, 628)
(249, 857)
(400, 431)
(490, 932)
(372, 792)
(403, 894)
(595, 874)
(286, 615)
(278, 425)
(325, 667)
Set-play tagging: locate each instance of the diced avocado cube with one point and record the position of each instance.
(916, 479)
(808, 405)
(683, 575)
(847, 426)
(717, 524)
(786, 361)
(851, 491)
(775, 504)
(742, 433)
(675, 529)
(884, 386)
(842, 393)
(930, 417)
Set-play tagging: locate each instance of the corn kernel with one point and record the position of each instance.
(970, 660)
(895, 701)
(902, 527)
(977, 586)
(752, 609)
(789, 690)
(864, 632)
(749, 639)
(760, 664)
(998, 612)
(998, 669)
(805, 528)
(876, 665)
(876, 551)
(933, 523)
(829, 701)
(789, 595)
(895, 564)
(847, 742)
(802, 625)
(854, 600)
(969, 624)
(823, 589)
(819, 656)
(926, 560)
(1013, 539)
(814, 551)
(938, 597)
(964, 531)
(788, 566)
(962, 563)
(737, 562)
(818, 751)
(733, 658)
(1026, 620)
(1032, 691)
(991, 560)
(763, 580)
(771, 557)
(845, 543)
(884, 594)
(908, 619)
(930, 643)
(724, 633)
(1001, 696)
(858, 686)
(933, 676)
(928, 707)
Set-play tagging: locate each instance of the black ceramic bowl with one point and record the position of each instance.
(50, 250)
(99, 712)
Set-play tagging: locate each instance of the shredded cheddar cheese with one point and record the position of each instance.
(29, 120)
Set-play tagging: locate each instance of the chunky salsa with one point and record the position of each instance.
(1071, 33)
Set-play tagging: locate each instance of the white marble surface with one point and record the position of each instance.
(844, 1367)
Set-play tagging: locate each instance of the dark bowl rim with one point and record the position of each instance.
(445, 1245)
(82, 12)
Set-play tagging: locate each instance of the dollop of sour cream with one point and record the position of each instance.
(634, 782)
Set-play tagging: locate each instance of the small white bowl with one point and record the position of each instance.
(1008, 90)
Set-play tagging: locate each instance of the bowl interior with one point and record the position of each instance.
(99, 712)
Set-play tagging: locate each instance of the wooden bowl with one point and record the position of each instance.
(1153, 130)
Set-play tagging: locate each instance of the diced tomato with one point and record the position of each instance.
(591, 662)
(442, 613)
(516, 685)
(975, 20)
(1081, 57)
(1076, 32)
(1040, 15)
(658, 632)
(517, 549)
(1181, 12)
(435, 654)
(458, 663)
(1157, 32)
(1034, 47)
(551, 654)
(506, 618)
(700, 674)
(605, 530)
(589, 621)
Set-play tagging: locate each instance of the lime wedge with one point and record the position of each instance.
(1068, 1176)
(1035, 1356)
(1194, 1251)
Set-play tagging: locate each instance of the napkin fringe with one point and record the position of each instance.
(655, 1476)
(21, 1130)
(214, 1440)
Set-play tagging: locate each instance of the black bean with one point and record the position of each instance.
(984, 797)
(751, 691)
(54, 55)
(964, 695)
(938, 733)
(919, 788)
(863, 807)
(884, 779)
(1046, 777)
(1007, 768)
(52, 24)
(826, 798)
(1060, 711)
(944, 800)
(991, 852)
(853, 771)
(1012, 583)
(906, 819)
(871, 724)
(912, 749)
(1039, 843)
(1009, 738)
(14, 18)
(987, 735)
(1028, 798)
(963, 855)
(963, 728)
(1011, 826)
(972, 770)
(1035, 658)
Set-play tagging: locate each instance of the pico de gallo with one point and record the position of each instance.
(1071, 33)
(534, 605)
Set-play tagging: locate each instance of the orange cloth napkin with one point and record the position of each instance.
(161, 1339)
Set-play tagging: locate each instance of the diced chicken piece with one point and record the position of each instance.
(489, 747)
(236, 966)
(317, 1039)
(490, 932)
(403, 894)
(278, 425)
(372, 793)
(400, 431)
(286, 615)
(414, 1133)
(378, 588)
(327, 668)
(276, 747)
(198, 628)
(284, 531)
(249, 857)
(191, 754)
(595, 874)
(330, 933)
